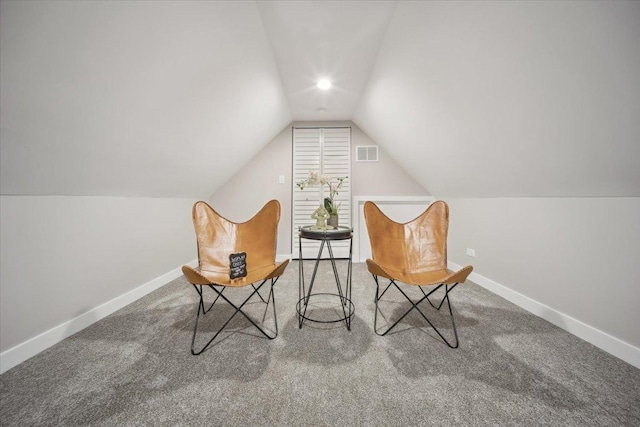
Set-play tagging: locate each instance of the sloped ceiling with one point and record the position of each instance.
(337, 40)
(163, 99)
(134, 98)
(508, 99)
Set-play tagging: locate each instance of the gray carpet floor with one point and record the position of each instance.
(134, 368)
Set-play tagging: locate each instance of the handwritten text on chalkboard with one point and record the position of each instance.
(238, 264)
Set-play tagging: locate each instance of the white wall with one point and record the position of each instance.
(63, 257)
(578, 256)
(382, 178)
(257, 183)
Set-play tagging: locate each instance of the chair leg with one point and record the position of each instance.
(414, 305)
(273, 302)
(254, 287)
(438, 287)
(202, 300)
(238, 309)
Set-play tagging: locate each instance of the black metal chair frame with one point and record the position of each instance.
(238, 309)
(414, 305)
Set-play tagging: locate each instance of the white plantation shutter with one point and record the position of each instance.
(328, 151)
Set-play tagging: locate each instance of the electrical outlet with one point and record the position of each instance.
(281, 179)
(471, 252)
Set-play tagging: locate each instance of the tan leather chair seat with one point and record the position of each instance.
(218, 238)
(413, 253)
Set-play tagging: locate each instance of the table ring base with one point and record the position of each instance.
(341, 301)
(346, 308)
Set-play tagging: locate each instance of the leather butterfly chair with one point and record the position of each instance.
(217, 239)
(415, 254)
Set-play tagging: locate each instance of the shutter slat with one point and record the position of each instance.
(328, 151)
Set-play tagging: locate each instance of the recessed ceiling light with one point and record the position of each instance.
(324, 84)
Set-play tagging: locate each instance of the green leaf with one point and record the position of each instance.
(328, 205)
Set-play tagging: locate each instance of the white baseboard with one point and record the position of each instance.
(602, 340)
(283, 257)
(18, 354)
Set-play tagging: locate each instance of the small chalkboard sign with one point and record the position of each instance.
(238, 265)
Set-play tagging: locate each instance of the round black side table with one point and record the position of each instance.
(306, 295)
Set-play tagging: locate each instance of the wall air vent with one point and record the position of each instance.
(366, 153)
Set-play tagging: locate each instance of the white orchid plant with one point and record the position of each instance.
(334, 186)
